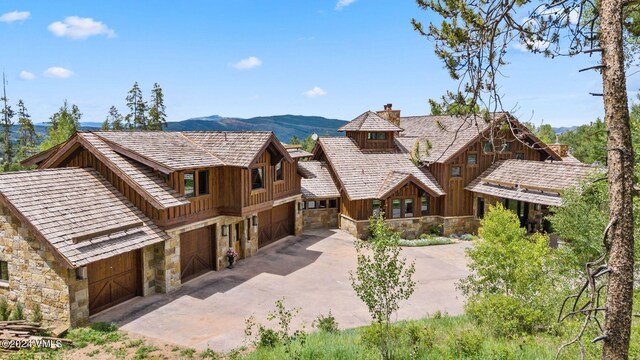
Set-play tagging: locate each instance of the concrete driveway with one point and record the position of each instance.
(310, 271)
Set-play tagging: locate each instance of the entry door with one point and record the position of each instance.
(196, 252)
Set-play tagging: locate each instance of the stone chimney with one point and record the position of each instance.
(392, 116)
(561, 149)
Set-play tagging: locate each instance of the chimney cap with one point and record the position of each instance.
(388, 106)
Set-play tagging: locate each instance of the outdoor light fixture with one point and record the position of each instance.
(255, 220)
(225, 230)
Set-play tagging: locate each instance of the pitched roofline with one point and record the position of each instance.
(511, 120)
(76, 138)
(319, 146)
(40, 156)
(136, 156)
(60, 150)
(272, 140)
(405, 181)
(37, 234)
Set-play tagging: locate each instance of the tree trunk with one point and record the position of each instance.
(617, 326)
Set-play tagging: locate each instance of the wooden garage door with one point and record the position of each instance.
(276, 223)
(196, 253)
(113, 280)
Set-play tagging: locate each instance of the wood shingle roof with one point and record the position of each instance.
(317, 182)
(536, 182)
(369, 121)
(77, 213)
(363, 173)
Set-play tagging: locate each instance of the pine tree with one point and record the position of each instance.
(62, 125)
(157, 116)
(137, 118)
(7, 123)
(27, 137)
(114, 120)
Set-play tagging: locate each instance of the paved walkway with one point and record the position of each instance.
(310, 272)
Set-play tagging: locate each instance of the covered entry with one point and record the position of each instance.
(197, 251)
(276, 223)
(114, 280)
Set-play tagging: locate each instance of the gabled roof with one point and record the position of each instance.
(536, 182)
(77, 214)
(362, 173)
(449, 135)
(298, 153)
(396, 180)
(317, 181)
(369, 121)
(238, 148)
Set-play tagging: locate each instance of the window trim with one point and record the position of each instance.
(475, 155)
(374, 136)
(184, 184)
(322, 204)
(5, 264)
(424, 212)
(263, 185)
(208, 191)
(373, 207)
(515, 156)
(400, 201)
(309, 205)
(404, 208)
(333, 204)
(484, 147)
(459, 172)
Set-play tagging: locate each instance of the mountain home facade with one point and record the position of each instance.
(430, 172)
(114, 215)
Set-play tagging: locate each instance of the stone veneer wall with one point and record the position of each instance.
(320, 218)
(36, 277)
(413, 226)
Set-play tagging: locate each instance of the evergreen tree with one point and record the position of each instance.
(7, 123)
(62, 125)
(137, 118)
(114, 120)
(294, 140)
(27, 137)
(157, 116)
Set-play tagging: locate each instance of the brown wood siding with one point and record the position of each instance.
(360, 138)
(458, 201)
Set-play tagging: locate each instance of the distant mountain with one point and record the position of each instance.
(284, 126)
(563, 129)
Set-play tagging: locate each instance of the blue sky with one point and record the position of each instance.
(248, 58)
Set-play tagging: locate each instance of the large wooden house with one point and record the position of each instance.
(112, 215)
(437, 171)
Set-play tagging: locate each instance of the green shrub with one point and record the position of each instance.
(267, 337)
(435, 229)
(18, 312)
(97, 334)
(188, 352)
(419, 335)
(36, 316)
(326, 323)
(466, 237)
(209, 354)
(467, 344)
(425, 236)
(505, 315)
(4, 309)
(144, 351)
(370, 335)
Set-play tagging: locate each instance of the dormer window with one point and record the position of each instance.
(376, 135)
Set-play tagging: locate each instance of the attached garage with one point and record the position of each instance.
(197, 249)
(276, 223)
(114, 280)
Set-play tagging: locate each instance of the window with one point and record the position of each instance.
(455, 171)
(376, 208)
(311, 204)
(424, 206)
(4, 271)
(472, 159)
(278, 173)
(506, 146)
(408, 207)
(322, 204)
(519, 156)
(333, 203)
(303, 205)
(480, 208)
(257, 178)
(396, 209)
(376, 136)
(487, 147)
(203, 182)
(189, 184)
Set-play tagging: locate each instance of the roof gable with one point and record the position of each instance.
(369, 121)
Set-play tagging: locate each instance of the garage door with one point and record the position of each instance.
(276, 223)
(196, 253)
(113, 280)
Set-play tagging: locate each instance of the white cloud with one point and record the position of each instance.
(540, 45)
(315, 92)
(80, 28)
(57, 72)
(343, 4)
(26, 75)
(15, 16)
(248, 63)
